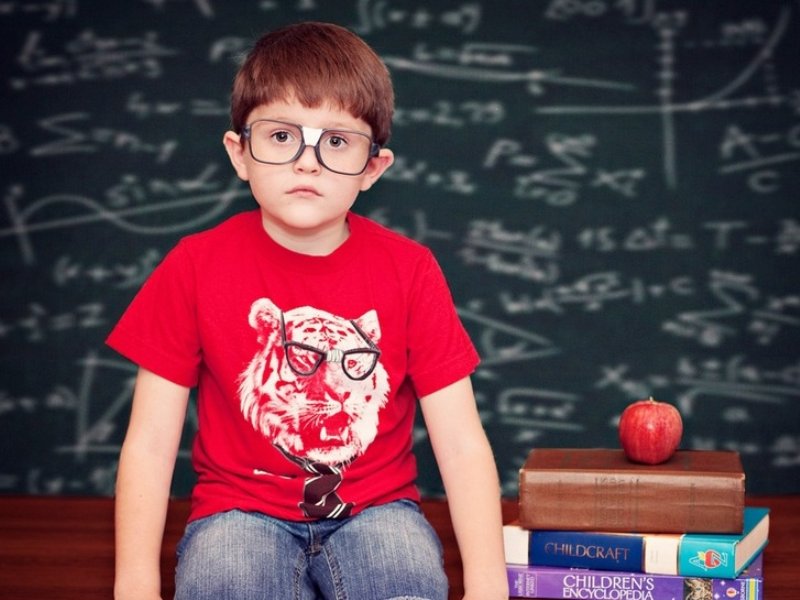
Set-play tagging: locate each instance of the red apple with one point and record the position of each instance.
(650, 431)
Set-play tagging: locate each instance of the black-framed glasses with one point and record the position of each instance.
(339, 150)
(357, 363)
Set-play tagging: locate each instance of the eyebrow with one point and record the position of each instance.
(337, 125)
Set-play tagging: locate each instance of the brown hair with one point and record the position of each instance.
(315, 63)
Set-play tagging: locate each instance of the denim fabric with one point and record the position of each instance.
(387, 552)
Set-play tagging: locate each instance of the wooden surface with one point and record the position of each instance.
(62, 548)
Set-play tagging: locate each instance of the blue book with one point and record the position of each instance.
(690, 554)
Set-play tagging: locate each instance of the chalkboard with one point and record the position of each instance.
(611, 187)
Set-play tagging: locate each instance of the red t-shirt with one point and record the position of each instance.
(308, 368)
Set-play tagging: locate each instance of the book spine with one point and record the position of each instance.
(626, 502)
(556, 582)
(702, 557)
(593, 550)
(725, 556)
(587, 550)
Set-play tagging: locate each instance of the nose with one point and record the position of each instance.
(307, 161)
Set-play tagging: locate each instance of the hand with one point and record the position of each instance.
(497, 590)
(123, 591)
(502, 595)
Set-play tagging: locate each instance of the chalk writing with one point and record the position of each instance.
(420, 172)
(59, 398)
(132, 190)
(561, 185)
(531, 255)
(633, 10)
(67, 271)
(138, 105)
(721, 380)
(8, 141)
(48, 11)
(658, 235)
(72, 139)
(595, 291)
(88, 57)
(22, 224)
(375, 15)
(37, 321)
(737, 297)
(609, 187)
(47, 481)
(526, 408)
(760, 156)
(668, 27)
(414, 226)
(448, 114)
(786, 449)
(501, 343)
(204, 7)
(97, 429)
(490, 64)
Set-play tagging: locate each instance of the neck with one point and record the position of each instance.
(316, 243)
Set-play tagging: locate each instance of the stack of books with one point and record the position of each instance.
(594, 525)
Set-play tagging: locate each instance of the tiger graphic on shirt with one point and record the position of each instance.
(305, 389)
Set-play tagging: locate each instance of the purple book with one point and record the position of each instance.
(527, 581)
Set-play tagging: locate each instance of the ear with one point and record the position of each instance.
(376, 167)
(235, 149)
(369, 324)
(264, 317)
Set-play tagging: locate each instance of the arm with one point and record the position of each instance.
(146, 466)
(470, 479)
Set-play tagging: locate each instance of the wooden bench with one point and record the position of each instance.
(62, 548)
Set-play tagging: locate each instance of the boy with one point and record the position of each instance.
(310, 333)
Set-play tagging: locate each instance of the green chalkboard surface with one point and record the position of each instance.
(611, 188)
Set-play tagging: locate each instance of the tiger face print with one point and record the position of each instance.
(325, 416)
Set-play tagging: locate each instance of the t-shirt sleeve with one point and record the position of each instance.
(440, 351)
(158, 331)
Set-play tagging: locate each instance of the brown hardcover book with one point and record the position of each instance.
(696, 491)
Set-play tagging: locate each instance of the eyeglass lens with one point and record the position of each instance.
(304, 360)
(357, 363)
(276, 142)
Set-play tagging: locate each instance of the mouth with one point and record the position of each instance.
(305, 191)
(334, 436)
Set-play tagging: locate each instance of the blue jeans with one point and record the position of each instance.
(387, 552)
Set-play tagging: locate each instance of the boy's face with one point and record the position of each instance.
(302, 200)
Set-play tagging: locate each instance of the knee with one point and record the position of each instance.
(393, 551)
(228, 554)
(210, 562)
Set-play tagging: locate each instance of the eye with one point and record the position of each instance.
(359, 364)
(337, 141)
(282, 136)
(303, 359)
